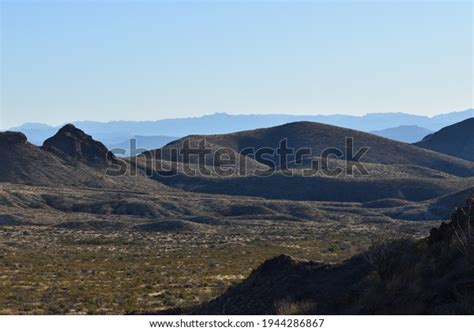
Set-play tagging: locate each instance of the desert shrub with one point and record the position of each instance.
(388, 255)
(464, 234)
(286, 307)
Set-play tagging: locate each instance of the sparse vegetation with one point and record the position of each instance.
(398, 276)
(75, 271)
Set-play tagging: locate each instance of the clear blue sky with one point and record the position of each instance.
(66, 60)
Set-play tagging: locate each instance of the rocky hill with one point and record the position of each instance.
(320, 137)
(72, 144)
(69, 158)
(394, 169)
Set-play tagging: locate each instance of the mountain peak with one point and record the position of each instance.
(73, 144)
(70, 128)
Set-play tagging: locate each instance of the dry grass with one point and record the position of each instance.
(53, 270)
(85, 251)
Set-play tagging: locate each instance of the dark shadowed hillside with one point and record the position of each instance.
(363, 189)
(456, 140)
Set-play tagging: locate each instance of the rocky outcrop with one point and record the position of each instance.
(72, 144)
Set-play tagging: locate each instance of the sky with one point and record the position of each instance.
(64, 61)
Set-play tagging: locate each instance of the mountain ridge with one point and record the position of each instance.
(220, 123)
(319, 137)
(398, 170)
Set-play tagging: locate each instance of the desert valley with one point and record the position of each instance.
(84, 231)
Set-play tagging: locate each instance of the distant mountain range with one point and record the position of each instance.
(115, 132)
(404, 133)
(456, 140)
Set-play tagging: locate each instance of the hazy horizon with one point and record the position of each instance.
(72, 61)
(225, 113)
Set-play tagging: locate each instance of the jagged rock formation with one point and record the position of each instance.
(73, 144)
